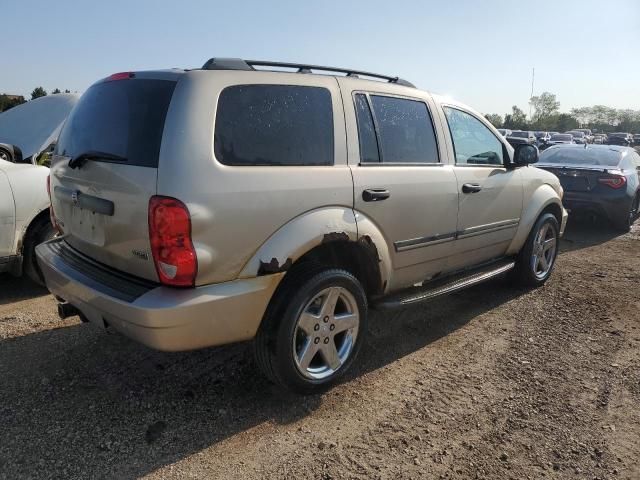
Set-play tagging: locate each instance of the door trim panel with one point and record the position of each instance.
(410, 244)
(488, 228)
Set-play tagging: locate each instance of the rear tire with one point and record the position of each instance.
(39, 232)
(6, 155)
(313, 329)
(624, 223)
(537, 258)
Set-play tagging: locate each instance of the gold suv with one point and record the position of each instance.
(234, 202)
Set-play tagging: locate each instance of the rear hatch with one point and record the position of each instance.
(104, 169)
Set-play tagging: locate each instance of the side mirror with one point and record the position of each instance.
(525, 155)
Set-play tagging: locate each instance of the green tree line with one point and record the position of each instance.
(546, 116)
(10, 101)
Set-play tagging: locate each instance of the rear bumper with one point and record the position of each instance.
(614, 207)
(160, 317)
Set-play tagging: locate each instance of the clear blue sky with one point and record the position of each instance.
(481, 52)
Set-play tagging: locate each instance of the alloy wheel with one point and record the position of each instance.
(325, 333)
(544, 251)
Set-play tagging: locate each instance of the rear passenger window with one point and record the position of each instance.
(405, 132)
(274, 125)
(473, 142)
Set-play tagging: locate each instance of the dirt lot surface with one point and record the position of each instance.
(493, 382)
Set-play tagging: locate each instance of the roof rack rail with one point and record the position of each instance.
(239, 64)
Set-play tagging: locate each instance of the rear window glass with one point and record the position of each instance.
(581, 156)
(520, 134)
(274, 125)
(123, 118)
(405, 130)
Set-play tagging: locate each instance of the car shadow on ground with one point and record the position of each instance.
(583, 232)
(14, 289)
(76, 401)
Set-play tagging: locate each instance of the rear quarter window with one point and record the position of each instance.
(274, 125)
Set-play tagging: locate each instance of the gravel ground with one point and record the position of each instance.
(494, 382)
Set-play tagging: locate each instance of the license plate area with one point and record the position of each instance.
(575, 184)
(87, 225)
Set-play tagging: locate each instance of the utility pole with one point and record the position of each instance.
(533, 76)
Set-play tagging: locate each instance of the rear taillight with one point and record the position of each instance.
(613, 181)
(171, 245)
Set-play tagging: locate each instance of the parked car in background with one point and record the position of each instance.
(578, 137)
(597, 179)
(24, 217)
(620, 138)
(26, 132)
(636, 139)
(520, 137)
(599, 139)
(587, 134)
(233, 244)
(505, 132)
(33, 127)
(561, 139)
(542, 139)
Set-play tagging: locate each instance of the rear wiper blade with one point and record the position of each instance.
(79, 160)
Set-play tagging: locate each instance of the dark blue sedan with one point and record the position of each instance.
(597, 179)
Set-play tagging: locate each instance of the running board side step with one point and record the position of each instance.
(444, 286)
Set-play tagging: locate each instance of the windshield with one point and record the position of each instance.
(618, 135)
(577, 134)
(540, 134)
(581, 156)
(122, 118)
(561, 138)
(520, 134)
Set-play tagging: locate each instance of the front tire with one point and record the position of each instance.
(313, 329)
(538, 256)
(40, 232)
